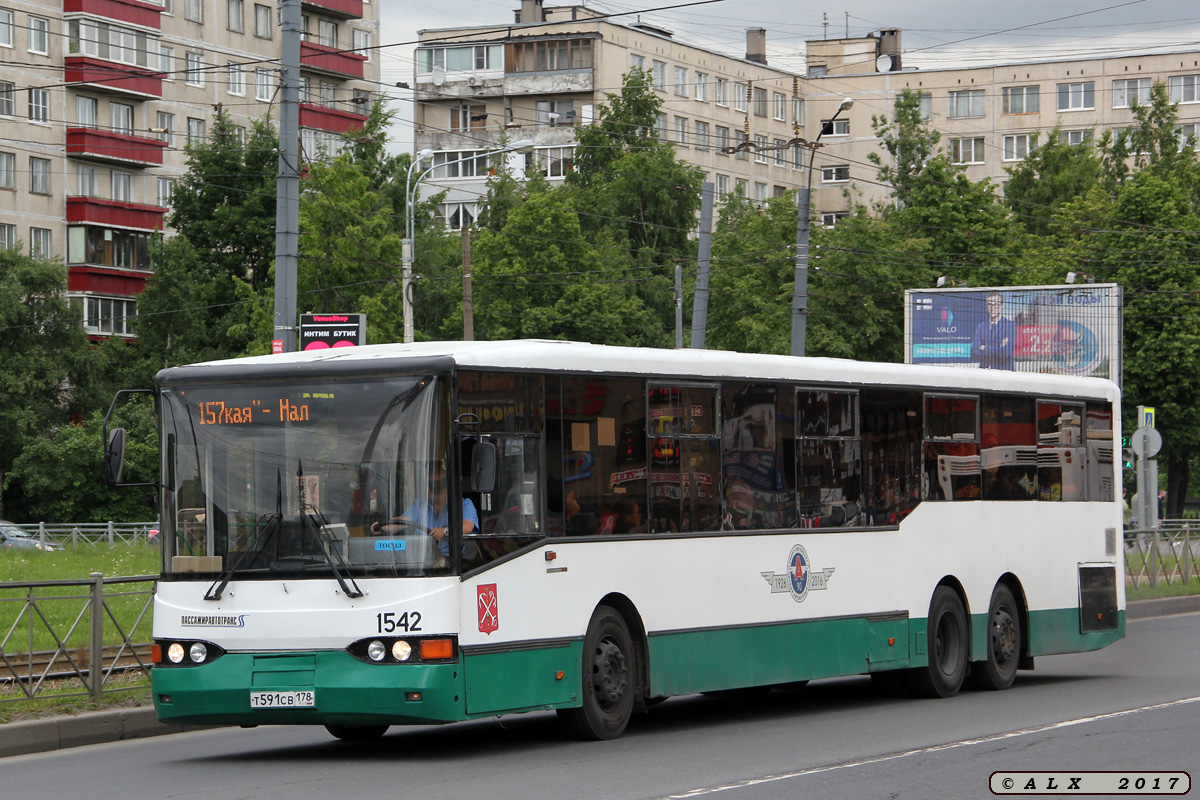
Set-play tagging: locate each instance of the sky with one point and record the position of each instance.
(935, 33)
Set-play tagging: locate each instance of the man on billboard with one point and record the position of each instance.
(992, 345)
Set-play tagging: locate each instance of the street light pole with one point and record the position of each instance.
(804, 212)
(411, 190)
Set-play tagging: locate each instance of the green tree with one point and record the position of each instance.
(1053, 173)
(908, 142)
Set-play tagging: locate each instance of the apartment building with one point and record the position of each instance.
(543, 75)
(99, 97)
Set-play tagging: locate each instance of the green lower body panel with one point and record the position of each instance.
(1059, 630)
(347, 691)
(524, 679)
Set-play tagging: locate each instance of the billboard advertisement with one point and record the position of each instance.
(321, 331)
(1066, 330)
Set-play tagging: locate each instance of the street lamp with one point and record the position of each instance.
(803, 202)
(411, 189)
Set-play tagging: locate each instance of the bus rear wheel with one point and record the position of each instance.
(609, 687)
(1004, 643)
(357, 733)
(948, 648)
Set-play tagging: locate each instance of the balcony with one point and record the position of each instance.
(114, 148)
(86, 278)
(345, 9)
(114, 214)
(131, 12)
(113, 78)
(331, 60)
(330, 119)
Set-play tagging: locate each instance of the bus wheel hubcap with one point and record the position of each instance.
(609, 674)
(1004, 636)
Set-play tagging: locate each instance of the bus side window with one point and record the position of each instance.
(951, 448)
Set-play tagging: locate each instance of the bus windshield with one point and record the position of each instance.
(302, 478)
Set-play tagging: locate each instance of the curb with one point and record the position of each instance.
(98, 727)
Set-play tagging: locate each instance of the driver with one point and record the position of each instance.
(433, 515)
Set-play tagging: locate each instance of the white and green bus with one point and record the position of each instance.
(402, 534)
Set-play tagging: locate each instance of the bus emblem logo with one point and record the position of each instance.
(489, 608)
(801, 578)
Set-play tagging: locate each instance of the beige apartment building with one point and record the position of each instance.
(543, 75)
(99, 97)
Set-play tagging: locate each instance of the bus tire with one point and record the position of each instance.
(1003, 645)
(609, 687)
(357, 733)
(948, 645)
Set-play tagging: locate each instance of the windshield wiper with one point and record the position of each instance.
(272, 522)
(326, 542)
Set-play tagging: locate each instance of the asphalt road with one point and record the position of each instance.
(1135, 705)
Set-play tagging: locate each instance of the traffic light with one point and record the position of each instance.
(1126, 458)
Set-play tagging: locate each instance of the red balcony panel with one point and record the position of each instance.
(329, 119)
(346, 9)
(115, 214)
(115, 148)
(106, 280)
(134, 12)
(331, 60)
(106, 76)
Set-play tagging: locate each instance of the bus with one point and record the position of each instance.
(426, 533)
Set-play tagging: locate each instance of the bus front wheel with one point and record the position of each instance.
(1004, 643)
(609, 680)
(948, 647)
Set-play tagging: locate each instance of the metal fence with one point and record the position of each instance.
(91, 533)
(1166, 554)
(74, 638)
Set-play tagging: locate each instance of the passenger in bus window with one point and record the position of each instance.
(433, 515)
(581, 518)
(631, 519)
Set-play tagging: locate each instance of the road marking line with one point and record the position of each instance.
(705, 790)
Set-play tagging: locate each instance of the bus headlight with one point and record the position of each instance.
(198, 652)
(175, 653)
(376, 651)
(401, 650)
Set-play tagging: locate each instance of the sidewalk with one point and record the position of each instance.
(97, 727)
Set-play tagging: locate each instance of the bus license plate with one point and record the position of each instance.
(306, 699)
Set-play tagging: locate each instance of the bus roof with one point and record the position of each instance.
(562, 356)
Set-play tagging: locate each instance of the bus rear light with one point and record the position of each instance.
(436, 649)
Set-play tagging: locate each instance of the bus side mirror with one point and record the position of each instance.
(114, 456)
(483, 467)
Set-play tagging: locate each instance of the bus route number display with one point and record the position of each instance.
(219, 412)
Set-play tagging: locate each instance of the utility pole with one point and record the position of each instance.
(704, 257)
(287, 190)
(678, 306)
(468, 302)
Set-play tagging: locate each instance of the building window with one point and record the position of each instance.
(39, 175)
(968, 103)
(8, 94)
(122, 186)
(195, 66)
(835, 174)
(831, 219)
(120, 118)
(926, 105)
(39, 105)
(637, 62)
(1128, 92)
(660, 125)
(1016, 147)
(166, 63)
(195, 131)
(835, 127)
(8, 236)
(658, 73)
(741, 97)
(967, 151)
(6, 28)
(8, 171)
(1019, 100)
(39, 35)
(237, 80)
(262, 21)
(798, 110)
(264, 84)
(740, 139)
(722, 92)
(701, 135)
(702, 86)
(555, 162)
(85, 111)
(760, 155)
(474, 117)
(108, 247)
(681, 131)
(1075, 137)
(461, 163)
(109, 315)
(362, 43)
(722, 139)
(87, 181)
(234, 15)
(327, 33)
(760, 102)
(163, 196)
(780, 152)
(1182, 88)
(1077, 96)
(111, 42)
(681, 82)
(39, 242)
(165, 126)
(722, 187)
(779, 101)
(741, 187)
(193, 10)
